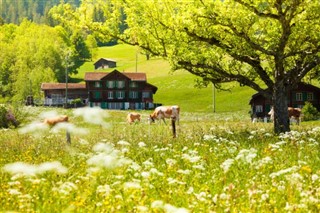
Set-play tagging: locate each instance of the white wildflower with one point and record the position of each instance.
(227, 164)
(145, 174)
(314, 177)
(93, 115)
(14, 192)
(142, 209)
(132, 185)
(246, 155)
(32, 170)
(172, 209)
(142, 144)
(186, 172)
(208, 137)
(190, 190)
(284, 171)
(104, 189)
(123, 143)
(171, 162)
(157, 204)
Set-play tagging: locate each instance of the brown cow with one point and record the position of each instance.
(132, 117)
(163, 112)
(54, 120)
(294, 114)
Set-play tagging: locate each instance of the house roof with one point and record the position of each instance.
(105, 59)
(50, 86)
(96, 76)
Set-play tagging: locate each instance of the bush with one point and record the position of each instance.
(309, 112)
(10, 116)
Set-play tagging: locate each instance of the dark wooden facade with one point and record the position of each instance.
(260, 105)
(108, 90)
(104, 63)
(119, 90)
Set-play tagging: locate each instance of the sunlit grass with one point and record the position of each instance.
(217, 163)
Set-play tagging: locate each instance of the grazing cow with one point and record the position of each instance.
(53, 121)
(132, 117)
(294, 114)
(163, 112)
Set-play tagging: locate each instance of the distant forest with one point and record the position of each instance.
(14, 11)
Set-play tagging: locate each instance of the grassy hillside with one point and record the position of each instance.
(173, 88)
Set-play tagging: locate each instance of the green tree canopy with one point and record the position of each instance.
(268, 45)
(32, 54)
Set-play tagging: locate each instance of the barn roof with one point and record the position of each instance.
(104, 59)
(50, 86)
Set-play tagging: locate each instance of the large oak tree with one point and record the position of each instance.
(268, 45)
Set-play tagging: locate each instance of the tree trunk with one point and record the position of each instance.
(280, 107)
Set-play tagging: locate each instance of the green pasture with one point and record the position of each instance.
(219, 162)
(173, 87)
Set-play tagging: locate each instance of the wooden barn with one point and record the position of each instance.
(119, 90)
(55, 93)
(104, 63)
(260, 105)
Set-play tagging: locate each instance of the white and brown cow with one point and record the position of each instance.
(162, 112)
(294, 114)
(132, 117)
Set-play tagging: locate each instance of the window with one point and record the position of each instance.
(133, 84)
(310, 96)
(299, 96)
(120, 84)
(133, 94)
(97, 84)
(120, 94)
(146, 95)
(259, 108)
(110, 94)
(110, 84)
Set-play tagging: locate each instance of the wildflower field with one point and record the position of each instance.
(217, 163)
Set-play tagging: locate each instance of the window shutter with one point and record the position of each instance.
(304, 96)
(97, 94)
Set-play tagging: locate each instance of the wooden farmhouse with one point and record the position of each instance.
(104, 63)
(260, 105)
(55, 93)
(108, 90)
(119, 90)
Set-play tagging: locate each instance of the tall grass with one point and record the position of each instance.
(218, 163)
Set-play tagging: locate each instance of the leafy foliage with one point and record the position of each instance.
(14, 11)
(274, 43)
(309, 112)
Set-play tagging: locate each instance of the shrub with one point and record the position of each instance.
(10, 116)
(309, 112)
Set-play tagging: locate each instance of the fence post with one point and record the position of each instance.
(68, 137)
(173, 124)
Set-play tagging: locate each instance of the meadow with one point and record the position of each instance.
(219, 162)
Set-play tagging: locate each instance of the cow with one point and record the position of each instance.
(294, 114)
(54, 120)
(132, 117)
(163, 112)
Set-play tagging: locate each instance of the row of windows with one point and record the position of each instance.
(299, 96)
(120, 94)
(115, 84)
